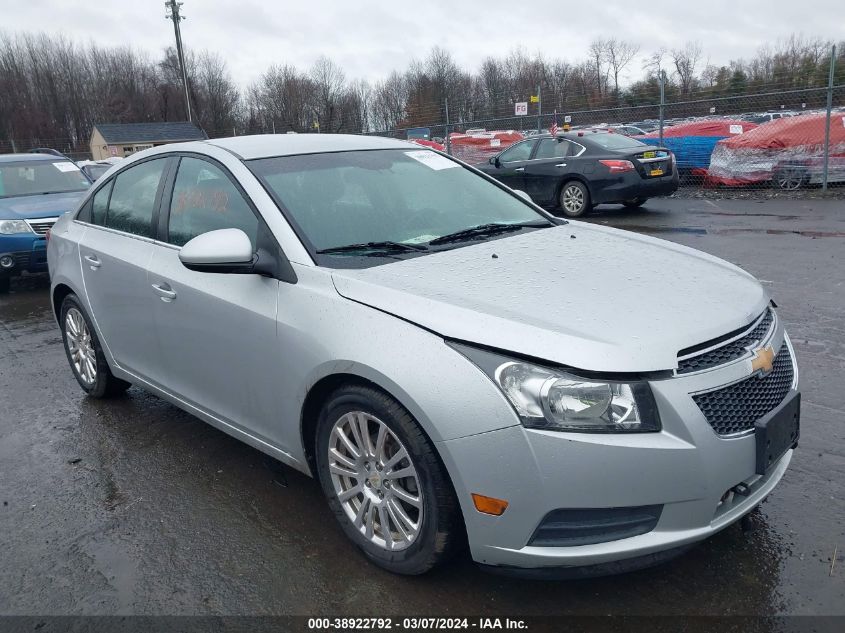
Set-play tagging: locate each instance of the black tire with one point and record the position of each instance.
(574, 199)
(440, 528)
(636, 202)
(104, 384)
(5, 284)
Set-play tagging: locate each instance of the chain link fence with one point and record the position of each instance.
(786, 140)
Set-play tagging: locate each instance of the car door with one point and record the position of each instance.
(114, 252)
(550, 164)
(511, 164)
(216, 332)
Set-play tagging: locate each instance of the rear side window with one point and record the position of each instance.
(552, 148)
(100, 204)
(133, 198)
(204, 199)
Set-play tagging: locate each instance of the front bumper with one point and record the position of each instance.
(704, 482)
(28, 251)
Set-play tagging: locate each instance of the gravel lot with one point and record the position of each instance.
(131, 506)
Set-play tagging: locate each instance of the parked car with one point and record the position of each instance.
(447, 358)
(578, 170)
(35, 189)
(95, 169)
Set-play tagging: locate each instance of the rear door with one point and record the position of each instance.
(554, 160)
(114, 252)
(512, 164)
(216, 332)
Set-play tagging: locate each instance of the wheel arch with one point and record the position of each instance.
(59, 292)
(569, 178)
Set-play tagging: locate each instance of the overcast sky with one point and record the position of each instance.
(369, 38)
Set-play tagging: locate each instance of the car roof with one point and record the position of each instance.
(15, 158)
(270, 145)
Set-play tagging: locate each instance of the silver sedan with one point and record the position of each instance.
(452, 363)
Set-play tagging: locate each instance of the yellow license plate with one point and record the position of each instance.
(656, 172)
(649, 154)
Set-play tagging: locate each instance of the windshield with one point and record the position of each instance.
(615, 141)
(404, 197)
(28, 178)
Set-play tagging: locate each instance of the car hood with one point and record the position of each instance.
(40, 206)
(589, 297)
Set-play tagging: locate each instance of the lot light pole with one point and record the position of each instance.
(827, 120)
(174, 8)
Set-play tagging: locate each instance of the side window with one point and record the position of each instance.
(100, 203)
(552, 148)
(573, 149)
(204, 199)
(520, 151)
(133, 198)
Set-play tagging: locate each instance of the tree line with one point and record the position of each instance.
(53, 90)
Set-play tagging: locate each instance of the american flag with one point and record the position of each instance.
(553, 128)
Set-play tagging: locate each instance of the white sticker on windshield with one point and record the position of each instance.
(431, 159)
(65, 166)
(736, 129)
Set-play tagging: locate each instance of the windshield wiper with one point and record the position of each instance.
(483, 230)
(378, 248)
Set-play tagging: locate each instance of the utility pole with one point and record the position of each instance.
(448, 140)
(539, 109)
(175, 8)
(662, 102)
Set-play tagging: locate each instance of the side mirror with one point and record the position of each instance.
(523, 195)
(221, 251)
(494, 160)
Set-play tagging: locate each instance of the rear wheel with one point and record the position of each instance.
(636, 202)
(574, 199)
(85, 354)
(789, 178)
(384, 481)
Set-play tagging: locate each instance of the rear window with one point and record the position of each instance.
(615, 141)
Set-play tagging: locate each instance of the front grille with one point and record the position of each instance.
(41, 226)
(726, 353)
(735, 408)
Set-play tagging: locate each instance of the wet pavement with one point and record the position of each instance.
(131, 506)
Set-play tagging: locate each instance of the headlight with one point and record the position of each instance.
(553, 399)
(8, 227)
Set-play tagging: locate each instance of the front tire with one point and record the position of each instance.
(789, 178)
(84, 352)
(385, 482)
(574, 199)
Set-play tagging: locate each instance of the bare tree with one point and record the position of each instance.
(618, 54)
(685, 61)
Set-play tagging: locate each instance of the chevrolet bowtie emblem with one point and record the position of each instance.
(763, 360)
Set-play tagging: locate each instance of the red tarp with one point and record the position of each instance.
(479, 147)
(707, 127)
(425, 143)
(754, 156)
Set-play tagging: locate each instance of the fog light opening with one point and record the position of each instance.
(489, 505)
(7, 261)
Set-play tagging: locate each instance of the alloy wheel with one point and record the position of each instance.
(573, 199)
(375, 481)
(790, 179)
(80, 346)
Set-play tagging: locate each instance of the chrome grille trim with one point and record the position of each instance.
(731, 350)
(40, 226)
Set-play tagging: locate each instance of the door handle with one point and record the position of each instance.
(93, 261)
(561, 165)
(520, 169)
(165, 292)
